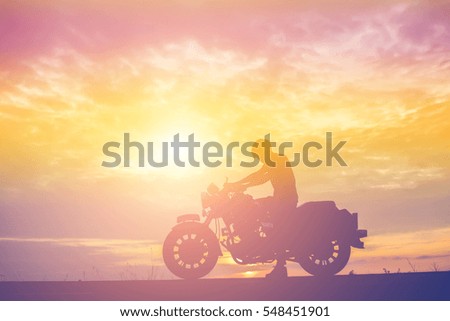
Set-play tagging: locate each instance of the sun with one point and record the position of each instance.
(249, 274)
(173, 149)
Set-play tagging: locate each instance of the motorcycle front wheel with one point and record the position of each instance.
(327, 259)
(190, 253)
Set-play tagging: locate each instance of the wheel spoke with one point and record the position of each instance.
(326, 259)
(187, 253)
(183, 247)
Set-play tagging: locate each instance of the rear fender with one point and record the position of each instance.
(345, 228)
(188, 218)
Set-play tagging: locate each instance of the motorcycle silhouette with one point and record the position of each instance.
(319, 236)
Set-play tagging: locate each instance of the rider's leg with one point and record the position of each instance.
(282, 212)
(279, 270)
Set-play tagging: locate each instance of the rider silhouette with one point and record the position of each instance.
(275, 169)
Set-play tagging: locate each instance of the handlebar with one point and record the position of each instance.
(230, 188)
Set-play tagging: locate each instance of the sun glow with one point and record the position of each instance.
(249, 274)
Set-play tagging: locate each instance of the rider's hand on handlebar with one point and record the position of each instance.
(234, 187)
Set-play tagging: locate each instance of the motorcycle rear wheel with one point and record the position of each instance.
(190, 253)
(330, 259)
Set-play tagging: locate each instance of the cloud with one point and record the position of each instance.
(426, 24)
(192, 59)
(433, 257)
(398, 251)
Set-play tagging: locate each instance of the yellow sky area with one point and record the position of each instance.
(424, 249)
(57, 115)
(223, 95)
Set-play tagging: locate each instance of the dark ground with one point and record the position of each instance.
(394, 287)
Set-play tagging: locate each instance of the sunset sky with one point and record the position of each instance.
(75, 75)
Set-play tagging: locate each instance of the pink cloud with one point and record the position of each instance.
(426, 24)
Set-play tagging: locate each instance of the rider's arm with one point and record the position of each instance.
(257, 178)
